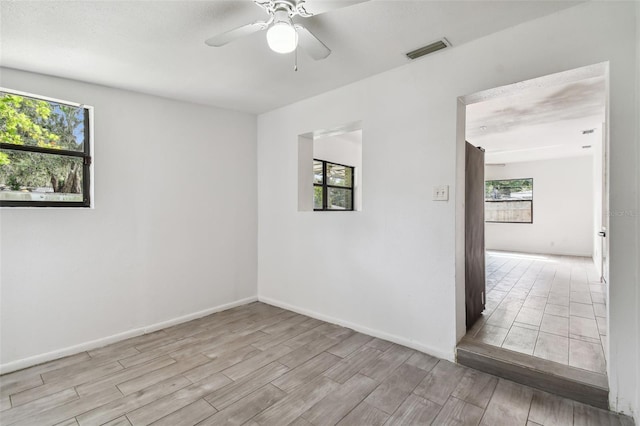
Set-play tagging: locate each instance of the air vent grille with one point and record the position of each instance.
(430, 48)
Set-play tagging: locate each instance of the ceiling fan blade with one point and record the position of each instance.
(311, 44)
(316, 7)
(231, 35)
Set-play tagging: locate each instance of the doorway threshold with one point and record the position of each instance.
(563, 380)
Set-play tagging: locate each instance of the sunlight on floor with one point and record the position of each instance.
(537, 257)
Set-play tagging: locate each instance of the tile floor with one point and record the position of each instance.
(261, 365)
(551, 307)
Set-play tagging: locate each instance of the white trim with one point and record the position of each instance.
(362, 329)
(93, 344)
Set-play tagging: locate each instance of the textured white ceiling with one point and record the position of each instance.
(157, 47)
(539, 122)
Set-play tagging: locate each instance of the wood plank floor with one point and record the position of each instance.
(262, 365)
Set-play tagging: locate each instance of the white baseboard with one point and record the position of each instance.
(450, 356)
(93, 344)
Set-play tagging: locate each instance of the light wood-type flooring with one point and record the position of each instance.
(261, 365)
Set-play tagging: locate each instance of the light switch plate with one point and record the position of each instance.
(441, 193)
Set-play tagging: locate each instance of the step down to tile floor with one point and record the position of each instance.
(569, 382)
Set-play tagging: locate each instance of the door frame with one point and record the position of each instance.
(496, 92)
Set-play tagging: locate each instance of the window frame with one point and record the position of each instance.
(85, 155)
(505, 201)
(324, 185)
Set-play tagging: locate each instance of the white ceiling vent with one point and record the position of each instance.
(443, 43)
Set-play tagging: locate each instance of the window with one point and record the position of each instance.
(509, 201)
(332, 186)
(44, 152)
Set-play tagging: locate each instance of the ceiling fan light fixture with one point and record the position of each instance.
(282, 37)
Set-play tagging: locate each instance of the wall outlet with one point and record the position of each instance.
(441, 193)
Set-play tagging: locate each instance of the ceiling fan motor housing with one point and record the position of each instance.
(292, 7)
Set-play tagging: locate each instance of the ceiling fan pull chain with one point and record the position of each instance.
(295, 59)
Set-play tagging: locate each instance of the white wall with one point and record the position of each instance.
(343, 149)
(391, 267)
(562, 208)
(169, 237)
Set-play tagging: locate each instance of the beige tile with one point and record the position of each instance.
(598, 298)
(555, 325)
(585, 355)
(492, 335)
(529, 316)
(558, 310)
(521, 340)
(581, 310)
(535, 302)
(560, 299)
(600, 309)
(552, 347)
(524, 325)
(502, 318)
(511, 304)
(581, 287)
(581, 297)
(602, 326)
(583, 327)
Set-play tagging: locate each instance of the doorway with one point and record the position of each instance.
(545, 207)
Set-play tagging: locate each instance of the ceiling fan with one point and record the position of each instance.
(283, 35)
